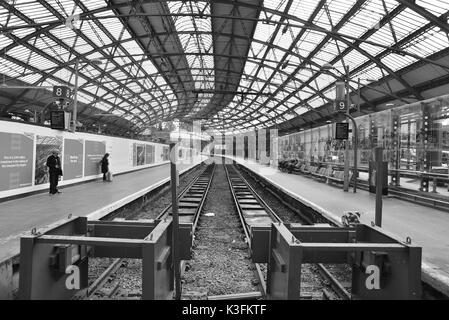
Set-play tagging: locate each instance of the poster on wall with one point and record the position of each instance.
(94, 152)
(149, 150)
(138, 154)
(16, 160)
(44, 147)
(73, 159)
(140, 150)
(165, 153)
(134, 154)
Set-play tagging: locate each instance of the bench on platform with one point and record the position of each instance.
(324, 173)
(338, 176)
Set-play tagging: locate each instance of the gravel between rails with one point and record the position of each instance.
(221, 263)
(311, 280)
(128, 277)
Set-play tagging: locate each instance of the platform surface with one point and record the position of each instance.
(19, 216)
(427, 227)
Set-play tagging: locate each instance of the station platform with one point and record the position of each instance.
(425, 226)
(93, 199)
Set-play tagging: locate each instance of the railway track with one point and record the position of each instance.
(220, 268)
(190, 203)
(253, 210)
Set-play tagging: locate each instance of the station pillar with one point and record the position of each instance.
(395, 157)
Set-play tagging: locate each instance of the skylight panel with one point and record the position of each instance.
(21, 33)
(94, 4)
(32, 78)
(275, 4)
(113, 25)
(84, 98)
(13, 20)
(133, 48)
(19, 52)
(309, 42)
(371, 48)
(437, 7)
(428, 43)
(364, 20)
(406, 22)
(40, 62)
(303, 9)
(396, 62)
(382, 36)
(84, 48)
(4, 41)
(194, 43)
(264, 31)
(9, 68)
(35, 11)
(95, 34)
(355, 58)
(65, 7)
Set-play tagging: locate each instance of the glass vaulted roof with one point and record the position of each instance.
(233, 64)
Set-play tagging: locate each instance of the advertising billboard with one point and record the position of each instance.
(44, 147)
(73, 159)
(149, 157)
(94, 152)
(16, 160)
(138, 154)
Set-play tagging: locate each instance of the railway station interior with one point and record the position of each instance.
(224, 150)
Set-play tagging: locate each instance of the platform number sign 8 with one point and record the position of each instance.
(61, 92)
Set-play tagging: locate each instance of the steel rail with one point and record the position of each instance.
(336, 286)
(117, 263)
(246, 231)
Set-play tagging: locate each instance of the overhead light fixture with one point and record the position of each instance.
(96, 61)
(327, 66)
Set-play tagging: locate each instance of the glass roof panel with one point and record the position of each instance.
(130, 75)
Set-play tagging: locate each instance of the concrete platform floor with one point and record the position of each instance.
(19, 216)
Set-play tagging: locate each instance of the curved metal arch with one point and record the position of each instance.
(50, 58)
(305, 24)
(278, 69)
(12, 59)
(248, 76)
(364, 53)
(66, 65)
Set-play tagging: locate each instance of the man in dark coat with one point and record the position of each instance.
(105, 166)
(54, 170)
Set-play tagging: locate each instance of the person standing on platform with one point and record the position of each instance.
(105, 167)
(54, 170)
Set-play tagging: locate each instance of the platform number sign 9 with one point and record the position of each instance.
(341, 106)
(61, 92)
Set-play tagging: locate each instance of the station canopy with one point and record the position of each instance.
(235, 65)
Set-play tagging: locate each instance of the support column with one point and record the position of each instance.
(395, 159)
(425, 141)
(175, 234)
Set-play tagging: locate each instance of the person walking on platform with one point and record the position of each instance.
(105, 167)
(54, 170)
